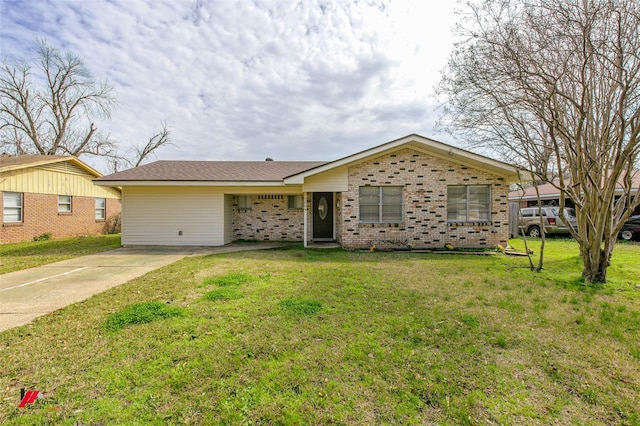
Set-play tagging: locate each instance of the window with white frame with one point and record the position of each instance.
(244, 203)
(101, 208)
(12, 207)
(295, 202)
(64, 203)
(468, 203)
(380, 204)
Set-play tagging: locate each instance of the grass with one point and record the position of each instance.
(332, 337)
(228, 280)
(298, 306)
(14, 257)
(141, 313)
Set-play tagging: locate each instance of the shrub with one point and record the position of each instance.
(113, 225)
(43, 237)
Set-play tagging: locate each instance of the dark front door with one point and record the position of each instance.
(322, 215)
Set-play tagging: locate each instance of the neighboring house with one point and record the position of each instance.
(410, 192)
(550, 196)
(47, 194)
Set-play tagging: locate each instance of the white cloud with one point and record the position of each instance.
(249, 80)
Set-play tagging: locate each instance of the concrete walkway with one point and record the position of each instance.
(30, 293)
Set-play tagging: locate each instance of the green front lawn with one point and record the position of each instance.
(299, 336)
(14, 257)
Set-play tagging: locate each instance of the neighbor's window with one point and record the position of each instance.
(101, 208)
(381, 204)
(295, 202)
(468, 203)
(12, 207)
(64, 203)
(244, 203)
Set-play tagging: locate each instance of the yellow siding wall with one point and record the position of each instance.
(59, 181)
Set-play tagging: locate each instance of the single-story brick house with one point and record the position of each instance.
(412, 191)
(48, 194)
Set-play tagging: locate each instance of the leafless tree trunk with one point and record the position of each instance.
(554, 85)
(543, 235)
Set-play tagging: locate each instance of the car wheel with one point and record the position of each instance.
(627, 234)
(534, 232)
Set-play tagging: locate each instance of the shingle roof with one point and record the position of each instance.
(226, 171)
(544, 189)
(7, 161)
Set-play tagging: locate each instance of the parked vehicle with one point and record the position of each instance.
(631, 229)
(529, 220)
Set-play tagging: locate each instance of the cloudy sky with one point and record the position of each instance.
(246, 80)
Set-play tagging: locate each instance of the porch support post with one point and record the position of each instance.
(305, 211)
(335, 215)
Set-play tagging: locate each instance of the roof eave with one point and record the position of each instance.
(553, 195)
(187, 183)
(72, 159)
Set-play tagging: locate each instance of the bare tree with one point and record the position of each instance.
(50, 109)
(55, 117)
(554, 86)
(138, 154)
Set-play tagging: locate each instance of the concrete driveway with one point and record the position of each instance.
(28, 294)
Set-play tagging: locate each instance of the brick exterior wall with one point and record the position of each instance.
(425, 180)
(40, 216)
(269, 219)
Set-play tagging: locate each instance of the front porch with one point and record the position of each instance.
(310, 218)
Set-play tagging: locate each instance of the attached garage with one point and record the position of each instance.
(192, 203)
(182, 216)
